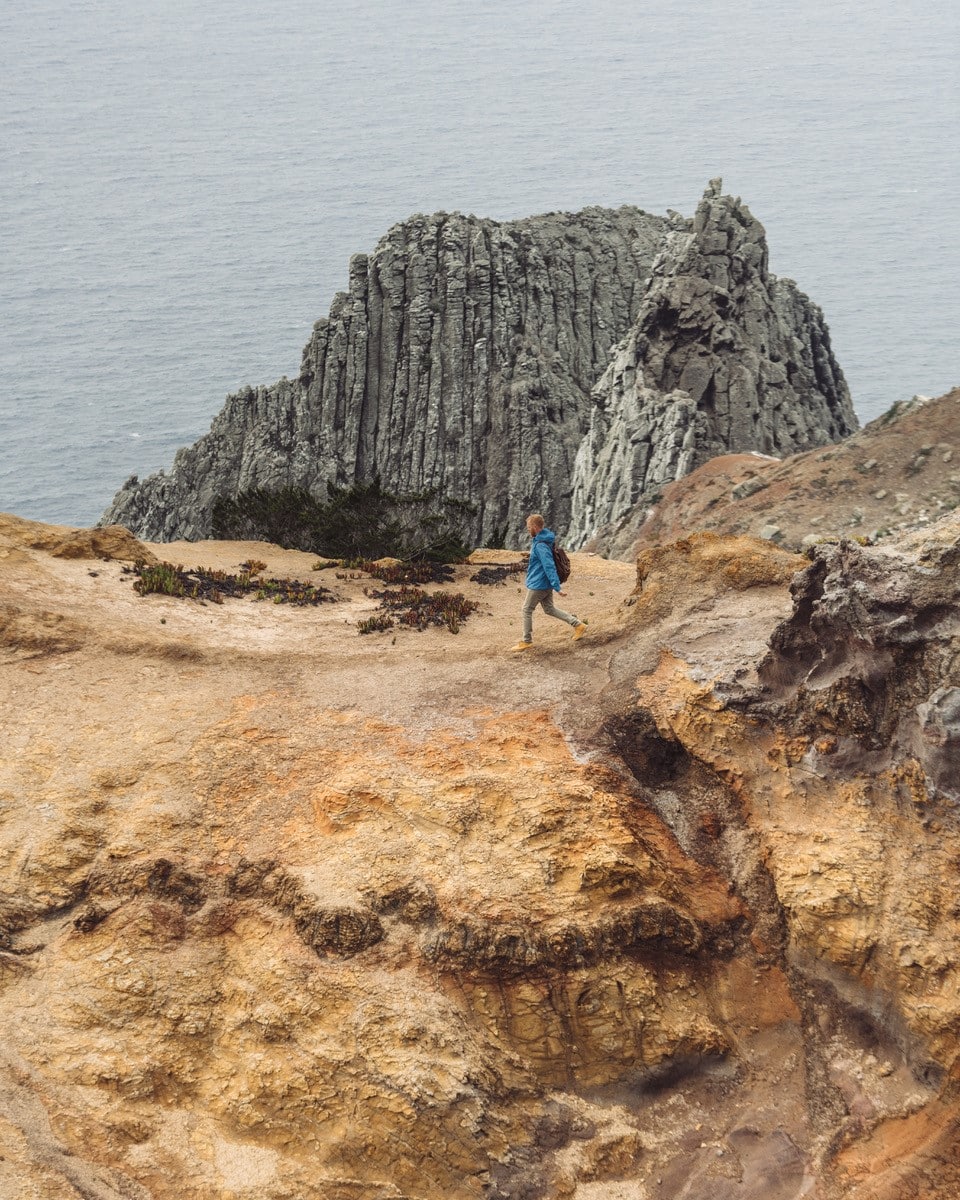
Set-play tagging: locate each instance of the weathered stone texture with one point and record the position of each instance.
(461, 358)
(668, 911)
(723, 357)
(463, 355)
(854, 716)
(895, 474)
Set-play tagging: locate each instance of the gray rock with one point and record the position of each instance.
(724, 357)
(462, 358)
(749, 487)
(874, 636)
(463, 355)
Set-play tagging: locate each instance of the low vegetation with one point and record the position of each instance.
(360, 522)
(204, 584)
(404, 572)
(497, 574)
(413, 608)
(407, 606)
(292, 518)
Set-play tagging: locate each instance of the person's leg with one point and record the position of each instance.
(552, 611)
(530, 602)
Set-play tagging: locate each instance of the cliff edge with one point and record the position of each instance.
(287, 910)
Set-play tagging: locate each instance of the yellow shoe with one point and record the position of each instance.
(579, 630)
(523, 645)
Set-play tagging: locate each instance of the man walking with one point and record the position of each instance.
(542, 581)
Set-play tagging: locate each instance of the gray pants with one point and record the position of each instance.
(544, 598)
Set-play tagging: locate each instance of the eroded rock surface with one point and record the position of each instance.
(899, 473)
(724, 357)
(463, 357)
(669, 911)
(849, 724)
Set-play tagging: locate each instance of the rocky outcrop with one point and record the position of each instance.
(853, 713)
(723, 357)
(668, 911)
(870, 653)
(62, 541)
(898, 473)
(463, 356)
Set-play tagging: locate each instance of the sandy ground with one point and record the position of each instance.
(416, 679)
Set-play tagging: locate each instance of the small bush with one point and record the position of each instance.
(163, 579)
(416, 609)
(285, 517)
(376, 624)
(498, 539)
(362, 521)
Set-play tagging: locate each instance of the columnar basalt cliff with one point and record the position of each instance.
(723, 357)
(463, 358)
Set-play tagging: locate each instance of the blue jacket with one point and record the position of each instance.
(542, 572)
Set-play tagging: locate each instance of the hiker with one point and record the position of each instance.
(542, 581)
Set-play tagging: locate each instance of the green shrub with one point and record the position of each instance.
(375, 624)
(164, 579)
(285, 517)
(207, 584)
(360, 522)
(498, 539)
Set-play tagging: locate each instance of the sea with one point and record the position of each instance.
(182, 184)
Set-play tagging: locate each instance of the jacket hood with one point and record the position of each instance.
(545, 535)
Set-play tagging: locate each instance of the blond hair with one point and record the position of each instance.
(537, 521)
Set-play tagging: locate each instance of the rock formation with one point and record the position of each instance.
(463, 357)
(669, 911)
(723, 357)
(901, 472)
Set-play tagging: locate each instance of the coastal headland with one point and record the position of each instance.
(287, 909)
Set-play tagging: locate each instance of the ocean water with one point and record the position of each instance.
(182, 184)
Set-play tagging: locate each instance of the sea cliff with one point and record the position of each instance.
(291, 910)
(570, 363)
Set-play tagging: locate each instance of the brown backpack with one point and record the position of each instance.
(562, 561)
